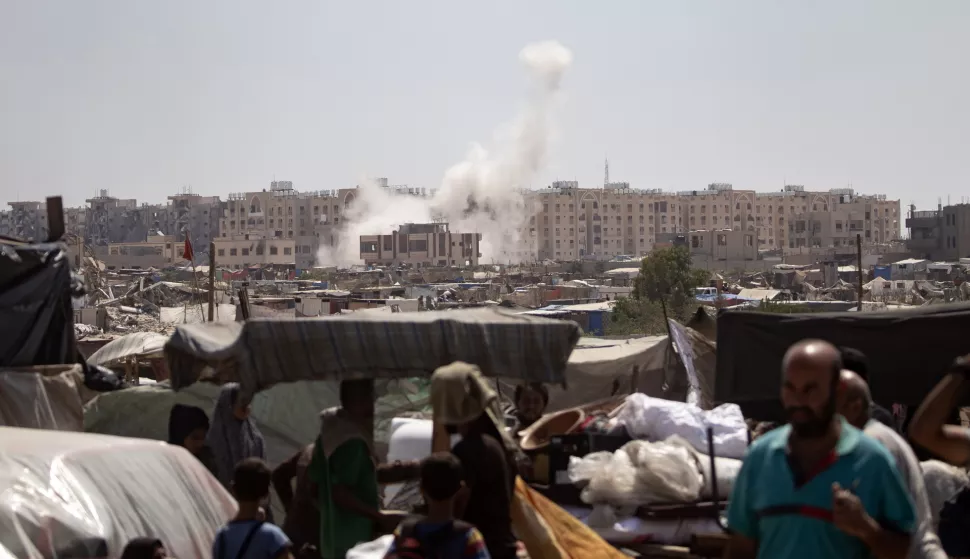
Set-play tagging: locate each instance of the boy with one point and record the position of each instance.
(247, 536)
(438, 535)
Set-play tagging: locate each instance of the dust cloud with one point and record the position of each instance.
(482, 194)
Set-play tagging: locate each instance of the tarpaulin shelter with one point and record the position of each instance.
(36, 316)
(908, 350)
(259, 353)
(73, 494)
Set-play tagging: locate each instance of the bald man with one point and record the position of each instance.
(855, 404)
(817, 487)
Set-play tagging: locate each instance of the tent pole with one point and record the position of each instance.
(858, 248)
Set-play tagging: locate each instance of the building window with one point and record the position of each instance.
(288, 251)
(245, 252)
(222, 252)
(232, 252)
(273, 250)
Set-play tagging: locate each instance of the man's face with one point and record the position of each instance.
(361, 405)
(531, 404)
(807, 396)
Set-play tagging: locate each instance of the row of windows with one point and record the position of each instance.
(259, 251)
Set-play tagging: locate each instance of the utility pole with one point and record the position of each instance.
(858, 248)
(212, 281)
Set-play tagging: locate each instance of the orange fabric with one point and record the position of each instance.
(552, 533)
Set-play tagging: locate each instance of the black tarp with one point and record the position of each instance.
(36, 316)
(908, 350)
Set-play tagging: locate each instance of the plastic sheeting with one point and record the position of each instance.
(138, 344)
(45, 397)
(908, 350)
(36, 313)
(656, 420)
(287, 414)
(639, 473)
(60, 489)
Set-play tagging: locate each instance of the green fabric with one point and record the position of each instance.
(351, 466)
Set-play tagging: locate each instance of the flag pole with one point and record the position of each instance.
(189, 255)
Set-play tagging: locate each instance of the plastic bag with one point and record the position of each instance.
(581, 470)
(641, 473)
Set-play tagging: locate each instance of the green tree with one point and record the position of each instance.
(668, 274)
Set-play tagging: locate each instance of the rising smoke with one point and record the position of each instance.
(481, 194)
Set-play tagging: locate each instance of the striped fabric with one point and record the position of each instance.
(259, 353)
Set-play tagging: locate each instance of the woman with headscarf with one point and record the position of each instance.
(464, 403)
(233, 436)
(187, 428)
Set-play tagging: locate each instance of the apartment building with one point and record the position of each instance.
(942, 234)
(113, 220)
(583, 223)
(243, 251)
(28, 220)
(421, 245)
(309, 219)
(157, 251)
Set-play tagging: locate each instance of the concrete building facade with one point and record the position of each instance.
(942, 234)
(421, 245)
(582, 223)
(242, 251)
(158, 251)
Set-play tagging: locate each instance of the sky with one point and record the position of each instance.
(146, 98)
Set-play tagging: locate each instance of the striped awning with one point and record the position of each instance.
(259, 353)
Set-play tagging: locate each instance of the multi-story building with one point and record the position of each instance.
(421, 245)
(242, 251)
(941, 234)
(189, 215)
(310, 219)
(157, 251)
(601, 223)
(112, 220)
(28, 220)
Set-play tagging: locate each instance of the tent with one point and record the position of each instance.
(286, 414)
(262, 352)
(600, 368)
(908, 350)
(44, 397)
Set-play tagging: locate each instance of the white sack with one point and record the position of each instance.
(655, 419)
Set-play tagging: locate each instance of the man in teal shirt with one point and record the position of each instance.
(818, 487)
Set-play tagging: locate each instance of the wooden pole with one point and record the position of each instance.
(858, 261)
(212, 281)
(55, 219)
(244, 302)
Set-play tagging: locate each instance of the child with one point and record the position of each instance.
(247, 536)
(438, 535)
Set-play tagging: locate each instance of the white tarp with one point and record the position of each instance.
(58, 490)
(137, 344)
(43, 397)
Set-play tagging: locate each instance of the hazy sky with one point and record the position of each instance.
(142, 97)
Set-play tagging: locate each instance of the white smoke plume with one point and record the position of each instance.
(483, 193)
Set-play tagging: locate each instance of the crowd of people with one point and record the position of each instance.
(839, 479)
(330, 488)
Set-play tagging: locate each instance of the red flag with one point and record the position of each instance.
(187, 253)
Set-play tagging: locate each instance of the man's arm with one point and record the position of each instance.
(398, 472)
(352, 459)
(929, 428)
(283, 479)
